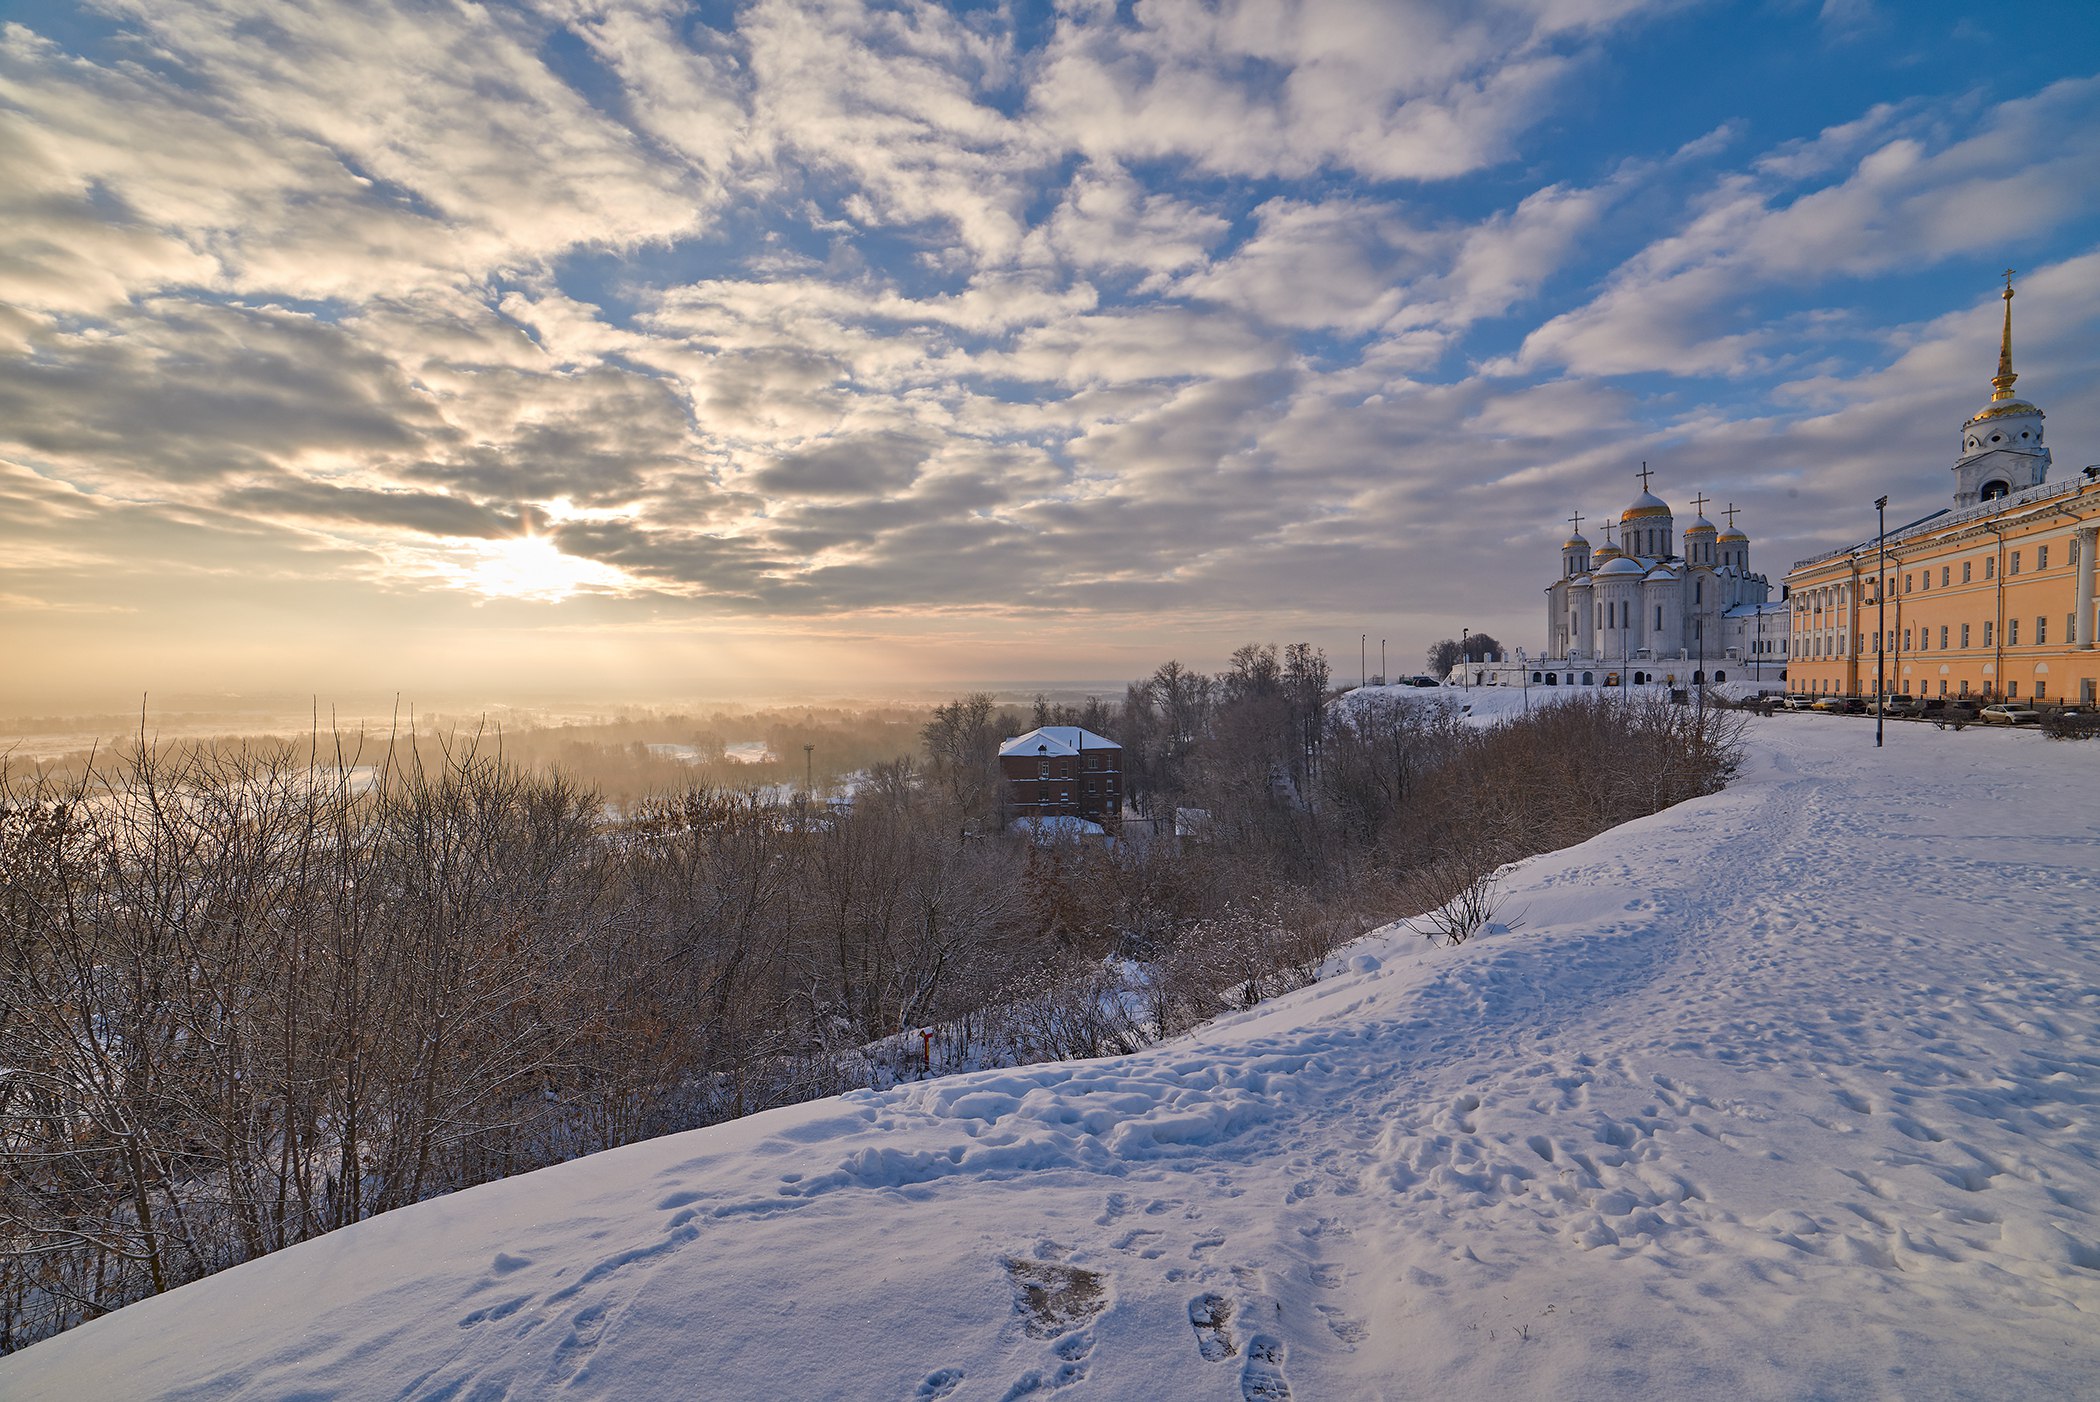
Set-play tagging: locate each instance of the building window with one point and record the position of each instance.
(1964, 635)
(2070, 627)
(2041, 690)
(2012, 632)
(1042, 769)
(2041, 557)
(1965, 686)
(1943, 637)
(2012, 691)
(1906, 584)
(1990, 567)
(1947, 572)
(1987, 633)
(2013, 567)
(2041, 631)
(1943, 686)
(1965, 571)
(1906, 640)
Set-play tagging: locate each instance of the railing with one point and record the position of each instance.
(1950, 518)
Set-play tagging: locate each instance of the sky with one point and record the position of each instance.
(659, 350)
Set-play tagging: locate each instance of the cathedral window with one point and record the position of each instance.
(1658, 618)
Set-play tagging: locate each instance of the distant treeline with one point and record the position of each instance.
(249, 994)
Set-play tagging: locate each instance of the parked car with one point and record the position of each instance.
(2009, 713)
(1902, 704)
(1800, 701)
(1841, 705)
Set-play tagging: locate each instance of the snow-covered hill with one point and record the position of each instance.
(1786, 1093)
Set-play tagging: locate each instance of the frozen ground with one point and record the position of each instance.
(1786, 1093)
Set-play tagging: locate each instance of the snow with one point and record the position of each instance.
(1789, 1092)
(1056, 740)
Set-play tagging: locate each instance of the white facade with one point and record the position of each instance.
(1641, 610)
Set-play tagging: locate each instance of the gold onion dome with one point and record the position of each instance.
(1645, 505)
(1575, 542)
(1698, 525)
(1733, 534)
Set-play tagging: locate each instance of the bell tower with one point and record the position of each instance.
(2001, 447)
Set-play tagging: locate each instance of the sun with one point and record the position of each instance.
(533, 567)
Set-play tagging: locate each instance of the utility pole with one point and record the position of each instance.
(1881, 603)
(809, 769)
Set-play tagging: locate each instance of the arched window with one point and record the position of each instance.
(1535, 676)
(1589, 678)
(1720, 676)
(1994, 489)
(1698, 590)
(1552, 679)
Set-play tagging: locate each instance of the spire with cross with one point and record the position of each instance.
(1576, 521)
(1699, 504)
(1730, 514)
(1644, 474)
(2002, 382)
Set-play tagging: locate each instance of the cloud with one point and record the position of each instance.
(1914, 195)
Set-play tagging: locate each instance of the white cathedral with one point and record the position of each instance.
(1636, 612)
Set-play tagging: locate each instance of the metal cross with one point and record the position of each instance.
(2008, 280)
(1644, 474)
(1699, 504)
(1730, 513)
(1576, 520)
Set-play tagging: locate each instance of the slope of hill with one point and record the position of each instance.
(1789, 1092)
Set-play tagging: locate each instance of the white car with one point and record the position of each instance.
(2009, 713)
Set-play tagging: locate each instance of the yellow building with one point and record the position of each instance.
(1990, 598)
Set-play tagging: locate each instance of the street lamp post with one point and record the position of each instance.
(809, 769)
(1465, 656)
(1881, 604)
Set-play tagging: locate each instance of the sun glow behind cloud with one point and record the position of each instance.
(529, 567)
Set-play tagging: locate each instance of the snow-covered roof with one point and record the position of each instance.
(1054, 740)
(1622, 565)
(1059, 825)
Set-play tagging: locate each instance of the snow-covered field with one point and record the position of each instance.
(1785, 1093)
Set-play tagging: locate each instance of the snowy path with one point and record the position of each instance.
(1786, 1093)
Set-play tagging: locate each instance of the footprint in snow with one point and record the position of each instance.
(1211, 1317)
(939, 1383)
(1262, 1379)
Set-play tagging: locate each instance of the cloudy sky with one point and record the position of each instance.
(651, 349)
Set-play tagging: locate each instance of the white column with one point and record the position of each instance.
(2087, 536)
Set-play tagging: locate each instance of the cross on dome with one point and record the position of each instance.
(1644, 474)
(1730, 514)
(1699, 504)
(1576, 522)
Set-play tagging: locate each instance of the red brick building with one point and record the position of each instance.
(1064, 771)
